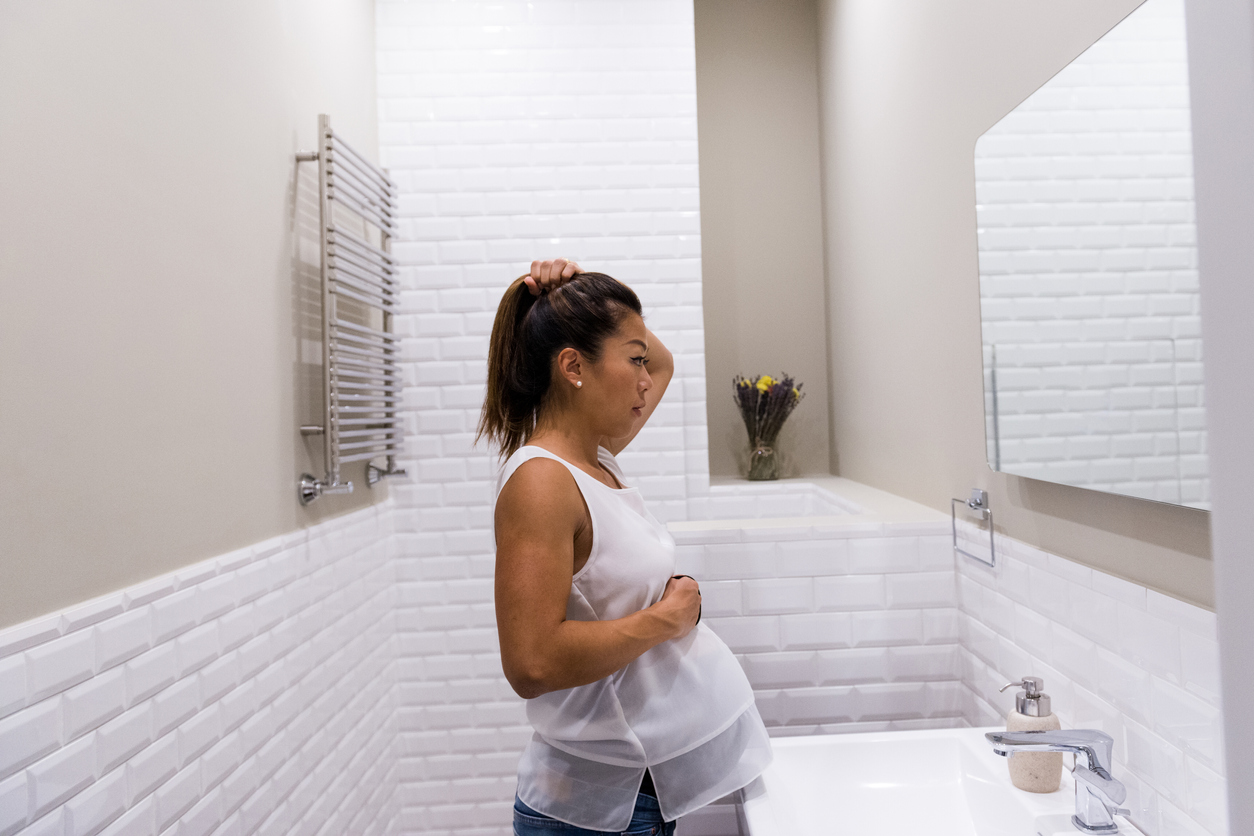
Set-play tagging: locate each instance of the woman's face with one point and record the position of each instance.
(614, 386)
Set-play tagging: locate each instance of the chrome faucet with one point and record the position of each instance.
(1097, 794)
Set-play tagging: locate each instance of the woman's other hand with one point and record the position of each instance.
(681, 601)
(549, 274)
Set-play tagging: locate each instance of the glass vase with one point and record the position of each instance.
(763, 463)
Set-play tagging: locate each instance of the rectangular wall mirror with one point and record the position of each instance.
(1088, 272)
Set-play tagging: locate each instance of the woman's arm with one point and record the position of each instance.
(661, 369)
(538, 515)
(553, 273)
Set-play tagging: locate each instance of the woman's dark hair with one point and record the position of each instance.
(528, 333)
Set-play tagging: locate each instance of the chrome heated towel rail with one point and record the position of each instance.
(361, 378)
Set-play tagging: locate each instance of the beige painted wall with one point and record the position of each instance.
(158, 250)
(761, 220)
(906, 88)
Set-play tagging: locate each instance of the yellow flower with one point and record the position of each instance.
(796, 393)
(764, 382)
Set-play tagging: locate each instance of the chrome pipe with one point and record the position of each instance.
(363, 208)
(365, 165)
(387, 336)
(340, 290)
(352, 240)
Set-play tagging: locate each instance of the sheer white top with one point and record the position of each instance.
(684, 709)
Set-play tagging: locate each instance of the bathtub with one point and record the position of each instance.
(945, 782)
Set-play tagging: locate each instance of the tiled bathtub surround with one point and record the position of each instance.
(248, 693)
(849, 628)
(1139, 665)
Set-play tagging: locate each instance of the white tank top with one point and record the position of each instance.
(684, 709)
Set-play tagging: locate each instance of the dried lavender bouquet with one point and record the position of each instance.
(765, 402)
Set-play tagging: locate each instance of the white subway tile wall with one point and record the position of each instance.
(832, 647)
(518, 131)
(1115, 656)
(1088, 270)
(253, 692)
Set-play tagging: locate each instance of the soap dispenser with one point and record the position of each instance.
(1033, 771)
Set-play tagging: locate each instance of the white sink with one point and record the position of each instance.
(945, 782)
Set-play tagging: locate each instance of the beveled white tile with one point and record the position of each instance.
(1014, 580)
(123, 637)
(146, 592)
(12, 685)
(149, 672)
(216, 596)
(811, 558)
(1188, 721)
(720, 598)
(197, 573)
(13, 803)
(940, 626)
(1070, 571)
(1073, 654)
(1207, 797)
(748, 634)
(56, 665)
(174, 705)
(89, 705)
(197, 734)
(175, 614)
(123, 736)
(887, 627)
(139, 820)
(1094, 616)
(1119, 589)
(850, 592)
(920, 663)
(891, 701)
(806, 631)
(1151, 642)
(1155, 760)
(151, 768)
(1172, 821)
(204, 817)
(1184, 615)
(97, 805)
(1200, 656)
(773, 596)
(1142, 799)
(917, 590)
(1048, 594)
(880, 555)
(58, 776)
(51, 824)
(1032, 632)
(177, 795)
(29, 634)
(92, 612)
(29, 735)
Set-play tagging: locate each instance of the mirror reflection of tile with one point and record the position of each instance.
(1088, 272)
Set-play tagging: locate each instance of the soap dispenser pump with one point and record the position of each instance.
(1033, 771)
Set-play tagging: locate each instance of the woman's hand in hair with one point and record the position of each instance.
(549, 274)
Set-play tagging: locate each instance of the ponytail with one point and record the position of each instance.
(528, 333)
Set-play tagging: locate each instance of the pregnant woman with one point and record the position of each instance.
(641, 713)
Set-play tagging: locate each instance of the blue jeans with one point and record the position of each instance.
(645, 821)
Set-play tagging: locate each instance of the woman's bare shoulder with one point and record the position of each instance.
(540, 489)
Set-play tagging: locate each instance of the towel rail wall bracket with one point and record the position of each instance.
(361, 377)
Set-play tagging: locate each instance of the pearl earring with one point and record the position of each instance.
(578, 384)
